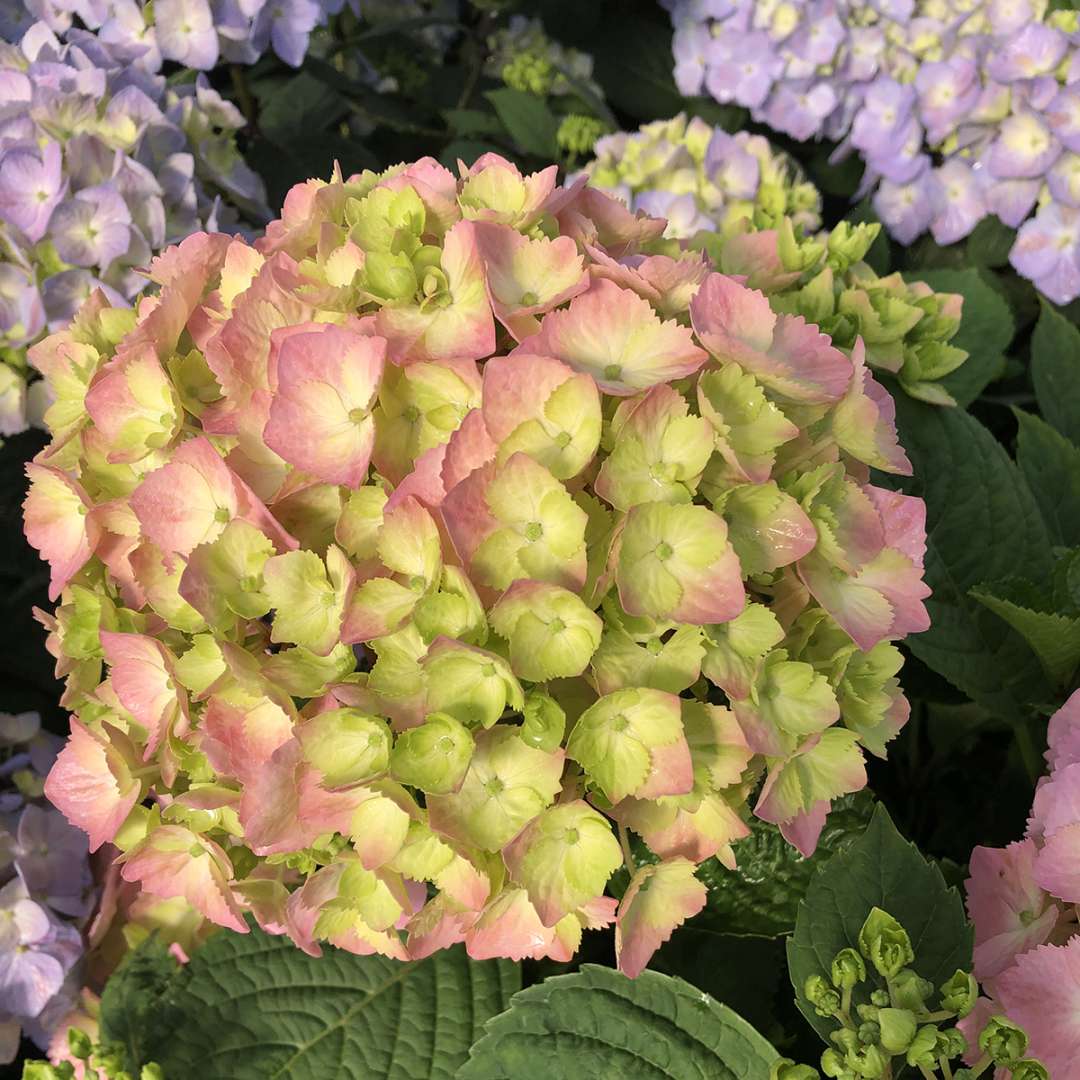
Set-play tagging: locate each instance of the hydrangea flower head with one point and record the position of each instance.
(700, 177)
(101, 165)
(412, 555)
(958, 110)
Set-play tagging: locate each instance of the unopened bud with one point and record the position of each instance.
(868, 1061)
(1003, 1040)
(885, 943)
(1029, 1069)
(897, 1029)
(911, 991)
(786, 1069)
(80, 1044)
(848, 969)
(545, 722)
(960, 993)
(832, 1064)
(822, 996)
(921, 1050)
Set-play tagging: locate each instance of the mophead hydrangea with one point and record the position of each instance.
(413, 558)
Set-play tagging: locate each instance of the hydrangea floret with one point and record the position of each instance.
(958, 109)
(47, 891)
(1022, 900)
(101, 166)
(412, 558)
(747, 206)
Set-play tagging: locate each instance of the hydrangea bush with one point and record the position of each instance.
(1022, 900)
(748, 207)
(195, 34)
(101, 166)
(958, 109)
(412, 558)
(47, 892)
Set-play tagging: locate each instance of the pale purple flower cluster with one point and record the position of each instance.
(959, 109)
(197, 34)
(101, 166)
(46, 891)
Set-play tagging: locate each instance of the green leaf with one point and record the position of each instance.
(1054, 638)
(296, 107)
(982, 523)
(599, 1025)
(254, 1007)
(633, 63)
(1055, 371)
(529, 121)
(466, 122)
(986, 329)
(762, 895)
(881, 869)
(990, 242)
(1051, 466)
(130, 997)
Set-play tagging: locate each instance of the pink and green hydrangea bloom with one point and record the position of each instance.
(410, 556)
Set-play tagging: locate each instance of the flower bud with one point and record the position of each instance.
(951, 1043)
(869, 1033)
(1029, 1069)
(911, 991)
(867, 1061)
(818, 992)
(848, 969)
(345, 745)
(545, 721)
(846, 1039)
(786, 1069)
(897, 1029)
(922, 1048)
(832, 1064)
(960, 993)
(868, 1012)
(885, 943)
(434, 756)
(880, 998)
(1003, 1040)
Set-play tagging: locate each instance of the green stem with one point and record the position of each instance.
(932, 1018)
(927, 1072)
(627, 854)
(981, 1066)
(1024, 744)
(946, 1071)
(243, 93)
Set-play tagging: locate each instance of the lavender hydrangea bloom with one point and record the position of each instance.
(101, 165)
(701, 178)
(958, 109)
(194, 33)
(46, 891)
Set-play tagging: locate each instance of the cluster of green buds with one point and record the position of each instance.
(577, 134)
(905, 326)
(90, 1061)
(897, 1024)
(526, 59)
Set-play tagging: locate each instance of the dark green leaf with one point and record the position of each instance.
(1054, 638)
(633, 63)
(467, 122)
(297, 107)
(129, 1000)
(881, 869)
(1051, 466)
(982, 524)
(990, 242)
(599, 1025)
(1055, 371)
(528, 120)
(986, 329)
(254, 1007)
